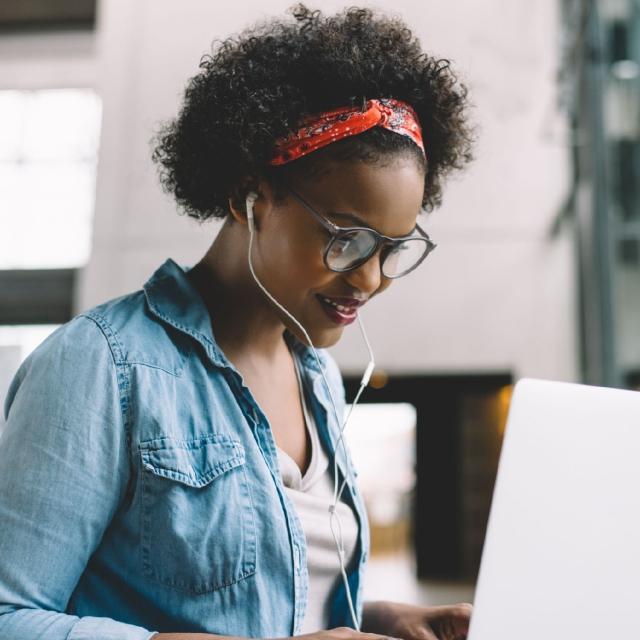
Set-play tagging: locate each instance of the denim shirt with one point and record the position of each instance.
(139, 482)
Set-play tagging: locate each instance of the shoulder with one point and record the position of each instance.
(74, 364)
(81, 340)
(138, 336)
(121, 331)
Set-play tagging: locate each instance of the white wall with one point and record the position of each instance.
(47, 60)
(495, 295)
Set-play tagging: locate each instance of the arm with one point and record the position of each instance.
(341, 633)
(64, 461)
(192, 636)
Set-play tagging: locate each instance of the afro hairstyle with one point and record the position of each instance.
(256, 87)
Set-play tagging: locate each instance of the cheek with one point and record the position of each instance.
(293, 277)
(298, 256)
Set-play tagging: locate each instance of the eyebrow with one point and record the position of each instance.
(361, 222)
(350, 216)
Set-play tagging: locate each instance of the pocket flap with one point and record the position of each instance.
(195, 463)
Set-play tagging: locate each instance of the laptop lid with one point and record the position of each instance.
(561, 558)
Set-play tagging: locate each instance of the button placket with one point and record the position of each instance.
(267, 446)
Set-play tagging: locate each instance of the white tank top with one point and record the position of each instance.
(311, 495)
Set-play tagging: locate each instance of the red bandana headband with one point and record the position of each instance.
(322, 129)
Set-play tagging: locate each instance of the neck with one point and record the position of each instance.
(245, 324)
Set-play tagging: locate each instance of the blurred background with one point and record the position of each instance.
(537, 272)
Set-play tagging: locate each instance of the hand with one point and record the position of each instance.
(340, 633)
(411, 622)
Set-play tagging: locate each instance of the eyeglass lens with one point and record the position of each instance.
(350, 249)
(404, 257)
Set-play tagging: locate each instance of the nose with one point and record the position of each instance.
(368, 276)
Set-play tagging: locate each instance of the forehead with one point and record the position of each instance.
(385, 197)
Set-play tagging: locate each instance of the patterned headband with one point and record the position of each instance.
(321, 129)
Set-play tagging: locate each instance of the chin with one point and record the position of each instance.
(328, 339)
(320, 339)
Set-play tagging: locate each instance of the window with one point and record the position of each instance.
(48, 158)
(48, 155)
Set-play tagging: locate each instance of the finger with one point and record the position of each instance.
(465, 609)
(351, 634)
(375, 636)
(418, 631)
(460, 612)
(452, 621)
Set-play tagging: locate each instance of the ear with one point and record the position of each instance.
(262, 201)
(238, 208)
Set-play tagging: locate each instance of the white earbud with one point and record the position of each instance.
(251, 198)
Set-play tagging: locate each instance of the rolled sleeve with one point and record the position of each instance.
(90, 628)
(64, 469)
(25, 624)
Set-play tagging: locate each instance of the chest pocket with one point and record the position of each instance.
(198, 528)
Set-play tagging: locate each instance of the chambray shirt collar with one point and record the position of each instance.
(172, 298)
(304, 353)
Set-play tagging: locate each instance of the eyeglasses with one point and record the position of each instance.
(350, 247)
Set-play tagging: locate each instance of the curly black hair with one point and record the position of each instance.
(257, 86)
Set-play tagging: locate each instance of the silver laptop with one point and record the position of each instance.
(561, 559)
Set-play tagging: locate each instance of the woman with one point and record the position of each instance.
(168, 456)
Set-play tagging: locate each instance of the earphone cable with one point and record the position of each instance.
(333, 515)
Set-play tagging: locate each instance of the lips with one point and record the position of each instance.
(340, 309)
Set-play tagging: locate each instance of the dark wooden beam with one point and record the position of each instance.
(36, 296)
(46, 14)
